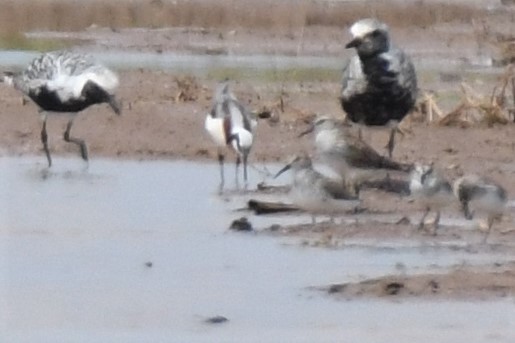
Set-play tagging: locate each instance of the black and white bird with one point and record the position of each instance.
(480, 196)
(379, 84)
(432, 190)
(64, 81)
(229, 123)
(314, 192)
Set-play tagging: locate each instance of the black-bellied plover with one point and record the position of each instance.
(316, 193)
(480, 196)
(63, 81)
(229, 123)
(432, 190)
(379, 84)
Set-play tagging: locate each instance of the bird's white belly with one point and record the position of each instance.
(215, 129)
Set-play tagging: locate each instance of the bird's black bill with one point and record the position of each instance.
(309, 130)
(265, 114)
(353, 43)
(286, 167)
(115, 105)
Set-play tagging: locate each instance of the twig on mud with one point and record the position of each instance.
(189, 89)
(427, 106)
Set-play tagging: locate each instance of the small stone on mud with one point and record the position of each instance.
(241, 224)
(336, 288)
(216, 320)
(148, 264)
(403, 221)
(433, 284)
(274, 227)
(393, 288)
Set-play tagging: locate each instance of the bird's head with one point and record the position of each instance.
(369, 37)
(421, 171)
(321, 123)
(223, 92)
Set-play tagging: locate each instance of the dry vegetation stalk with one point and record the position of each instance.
(474, 108)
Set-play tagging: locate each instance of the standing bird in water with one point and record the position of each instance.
(379, 85)
(63, 81)
(229, 123)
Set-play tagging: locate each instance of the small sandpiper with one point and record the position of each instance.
(333, 140)
(350, 156)
(316, 193)
(432, 190)
(480, 195)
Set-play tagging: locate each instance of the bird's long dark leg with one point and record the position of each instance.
(436, 223)
(245, 159)
(391, 142)
(221, 163)
(466, 210)
(236, 178)
(489, 223)
(81, 143)
(360, 135)
(44, 139)
(421, 224)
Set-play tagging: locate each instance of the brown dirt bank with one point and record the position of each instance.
(464, 283)
(155, 124)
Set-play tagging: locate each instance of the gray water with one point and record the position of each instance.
(74, 246)
(186, 62)
(203, 64)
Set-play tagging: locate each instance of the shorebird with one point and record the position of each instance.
(432, 190)
(63, 81)
(229, 123)
(335, 142)
(480, 195)
(379, 84)
(315, 193)
(348, 155)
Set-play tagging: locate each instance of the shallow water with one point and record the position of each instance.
(74, 246)
(201, 64)
(186, 62)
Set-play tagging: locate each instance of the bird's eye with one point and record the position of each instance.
(376, 33)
